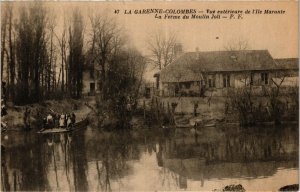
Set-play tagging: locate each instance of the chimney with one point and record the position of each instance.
(177, 49)
(197, 52)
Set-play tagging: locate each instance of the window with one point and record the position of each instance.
(265, 78)
(176, 89)
(211, 82)
(187, 85)
(147, 92)
(214, 82)
(92, 87)
(226, 80)
(157, 82)
(202, 83)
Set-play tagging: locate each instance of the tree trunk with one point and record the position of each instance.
(51, 62)
(7, 75)
(12, 59)
(3, 38)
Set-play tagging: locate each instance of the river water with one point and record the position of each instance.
(148, 159)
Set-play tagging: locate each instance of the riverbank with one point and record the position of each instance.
(15, 117)
(186, 111)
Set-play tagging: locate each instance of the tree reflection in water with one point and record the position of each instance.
(4, 173)
(111, 154)
(32, 176)
(103, 161)
(78, 155)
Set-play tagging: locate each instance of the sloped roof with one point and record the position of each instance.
(189, 66)
(287, 63)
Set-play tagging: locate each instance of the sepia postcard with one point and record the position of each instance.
(149, 96)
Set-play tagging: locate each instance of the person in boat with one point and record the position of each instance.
(66, 120)
(27, 118)
(50, 121)
(3, 126)
(3, 110)
(54, 119)
(45, 122)
(58, 121)
(69, 121)
(73, 118)
(3, 113)
(61, 121)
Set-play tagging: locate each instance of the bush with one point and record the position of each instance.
(237, 188)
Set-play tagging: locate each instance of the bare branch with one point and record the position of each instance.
(162, 48)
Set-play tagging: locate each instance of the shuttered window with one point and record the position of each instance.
(226, 80)
(265, 78)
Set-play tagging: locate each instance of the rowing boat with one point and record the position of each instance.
(76, 126)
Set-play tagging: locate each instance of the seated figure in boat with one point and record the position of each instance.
(70, 120)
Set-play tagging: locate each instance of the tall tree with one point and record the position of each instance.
(63, 45)
(4, 19)
(52, 56)
(24, 55)
(31, 47)
(106, 42)
(11, 44)
(39, 17)
(76, 55)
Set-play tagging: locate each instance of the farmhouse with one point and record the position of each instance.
(213, 73)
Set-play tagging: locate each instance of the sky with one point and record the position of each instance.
(277, 33)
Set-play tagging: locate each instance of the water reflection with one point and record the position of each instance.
(24, 164)
(232, 154)
(149, 160)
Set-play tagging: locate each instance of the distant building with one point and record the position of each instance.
(148, 90)
(217, 71)
(287, 65)
(91, 83)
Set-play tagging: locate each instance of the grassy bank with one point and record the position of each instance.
(15, 117)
